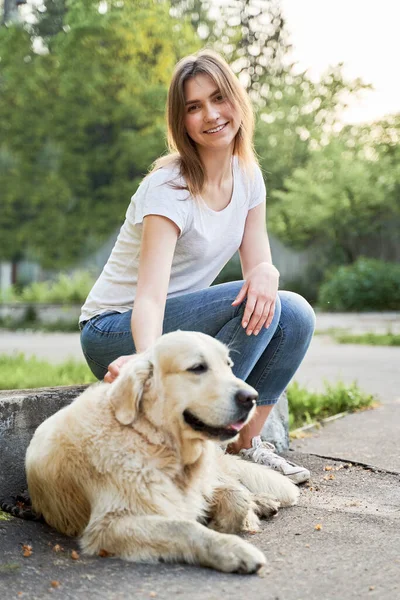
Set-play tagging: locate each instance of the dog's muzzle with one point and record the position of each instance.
(245, 401)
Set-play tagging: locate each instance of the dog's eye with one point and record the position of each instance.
(199, 368)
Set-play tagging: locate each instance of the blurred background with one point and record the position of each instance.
(83, 87)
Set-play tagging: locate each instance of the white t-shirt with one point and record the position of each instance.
(207, 238)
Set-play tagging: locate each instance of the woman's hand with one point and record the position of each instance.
(115, 367)
(260, 288)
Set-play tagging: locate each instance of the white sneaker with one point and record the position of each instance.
(263, 453)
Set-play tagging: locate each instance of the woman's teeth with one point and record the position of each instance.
(216, 129)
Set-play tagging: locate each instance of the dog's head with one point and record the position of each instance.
(185, 380)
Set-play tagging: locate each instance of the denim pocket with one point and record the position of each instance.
(108, 324)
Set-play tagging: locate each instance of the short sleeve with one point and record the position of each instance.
(156, 196)
(258, 190)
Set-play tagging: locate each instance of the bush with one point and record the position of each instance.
(65, 289)
(367, 284)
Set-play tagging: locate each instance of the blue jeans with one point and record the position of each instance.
(267, 361)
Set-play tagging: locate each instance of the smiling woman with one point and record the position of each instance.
(199, 205)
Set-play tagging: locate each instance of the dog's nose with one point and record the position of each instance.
(246, 398)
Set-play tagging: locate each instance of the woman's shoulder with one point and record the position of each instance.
(166, 179)
(168, 174)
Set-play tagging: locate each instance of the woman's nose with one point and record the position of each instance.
(210, 114)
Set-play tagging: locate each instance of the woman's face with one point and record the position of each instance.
(210, 119)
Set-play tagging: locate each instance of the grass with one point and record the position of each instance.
(19, 372)
(370, 339)
(5, 516)
(33, 325)
(307, 407)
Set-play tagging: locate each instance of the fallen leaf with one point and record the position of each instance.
(75, 555)
(318, 527)
(153, 594)
(328, 468)
(371, 588)
(55, 584)
(104, 553)
(26, 550)
(58, 548)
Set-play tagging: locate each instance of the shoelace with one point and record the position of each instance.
(267, 449)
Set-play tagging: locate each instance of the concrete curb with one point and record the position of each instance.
(276, 429)
(22, 411)
(316, 425)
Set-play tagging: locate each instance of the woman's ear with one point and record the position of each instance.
(126, 391)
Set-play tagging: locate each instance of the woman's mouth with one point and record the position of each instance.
(217, 129)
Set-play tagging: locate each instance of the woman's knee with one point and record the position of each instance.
(297, 314)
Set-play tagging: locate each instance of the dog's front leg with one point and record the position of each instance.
(152, 538)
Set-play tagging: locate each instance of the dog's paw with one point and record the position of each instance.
(265, 505)
(231, 554)
(251, 523)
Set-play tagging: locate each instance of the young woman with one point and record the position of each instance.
(197, 207)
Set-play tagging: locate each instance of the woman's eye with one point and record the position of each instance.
(193, 107)
(219, 98)
(198, 369)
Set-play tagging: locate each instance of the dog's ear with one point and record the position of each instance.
(126, 391)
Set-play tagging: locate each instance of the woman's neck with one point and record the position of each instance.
(217, 166)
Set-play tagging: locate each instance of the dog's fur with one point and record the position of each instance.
(123, 468)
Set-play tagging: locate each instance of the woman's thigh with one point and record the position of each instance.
(108, 336)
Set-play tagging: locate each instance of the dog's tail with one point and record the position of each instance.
(20, 506)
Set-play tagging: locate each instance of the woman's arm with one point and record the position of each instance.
(157, 249)
(159, 237)
(261, 277)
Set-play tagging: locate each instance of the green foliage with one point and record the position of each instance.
(64, 289)
(81, 123)
(19, 372)
(250, 33)
(308, 407)
(367, 284)
(369, 339)
(338, 198)
(299, 118)
(27, 323)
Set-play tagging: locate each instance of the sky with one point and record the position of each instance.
(363, 34)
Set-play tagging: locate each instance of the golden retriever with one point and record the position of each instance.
(135, 467)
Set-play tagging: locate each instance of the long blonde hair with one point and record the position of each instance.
(182, 148)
